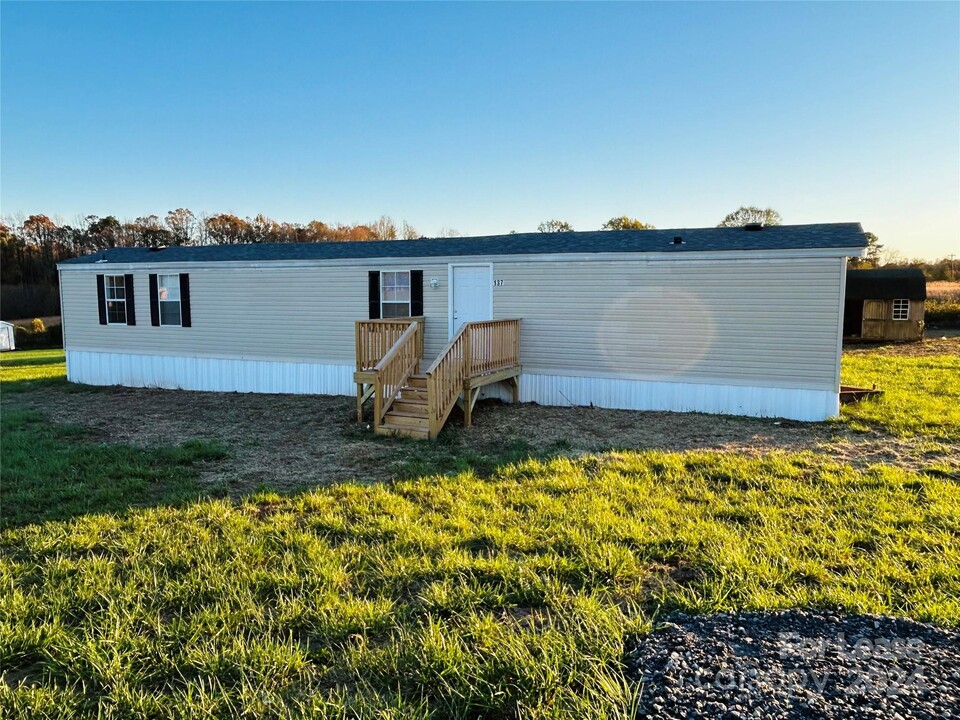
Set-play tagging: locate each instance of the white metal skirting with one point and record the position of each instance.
(790, 403)
(213, 374)
(267, 376)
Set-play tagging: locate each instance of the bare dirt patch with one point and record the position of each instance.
(287, 442)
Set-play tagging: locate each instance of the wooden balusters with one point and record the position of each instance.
(395, 368)
(374, 338)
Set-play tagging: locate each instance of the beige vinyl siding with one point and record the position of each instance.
(281, 313)
(764, 323)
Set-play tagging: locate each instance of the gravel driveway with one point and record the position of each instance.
(797, 664)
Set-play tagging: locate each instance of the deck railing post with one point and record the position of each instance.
(432, 404)
(377, 401)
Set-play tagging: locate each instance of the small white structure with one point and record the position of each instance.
(7, 336)
(745, 321)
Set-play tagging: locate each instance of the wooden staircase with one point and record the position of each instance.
(409, 414)
(414, 404)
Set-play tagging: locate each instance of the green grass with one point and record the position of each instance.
(921, 395)
(481, 588)
(451, 595)
(22, 370)
(53, 472)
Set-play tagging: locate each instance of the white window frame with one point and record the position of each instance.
(901, 306)
(107, 299)
(178, 301)
(408, 302)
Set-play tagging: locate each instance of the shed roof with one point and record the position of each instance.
(905, 283)
(780, 237)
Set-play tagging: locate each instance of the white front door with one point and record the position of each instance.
(471, 295)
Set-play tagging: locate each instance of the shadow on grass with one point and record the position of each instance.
(57, 472)
(27, 358)
(455, 450)
(54, 472)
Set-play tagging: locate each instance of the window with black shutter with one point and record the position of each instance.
(114, 299)
(396, 293)
(170, 300)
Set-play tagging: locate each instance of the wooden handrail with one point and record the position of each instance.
(389, 351)
(374, 338)
(453, 341)
(445, 378)
(478, 348)
(493, 345)
(395, 368)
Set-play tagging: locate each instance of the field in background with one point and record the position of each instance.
(942, 290)
(498, 580)
(943, 304)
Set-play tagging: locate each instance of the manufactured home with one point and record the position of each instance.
(884, 304)
(744, 321)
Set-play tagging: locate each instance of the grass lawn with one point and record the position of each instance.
(28, 369)
(921, 395)
(449, 595)
(53, 472)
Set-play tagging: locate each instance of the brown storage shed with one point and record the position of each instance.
(884, 304)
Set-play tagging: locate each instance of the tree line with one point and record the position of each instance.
(30, 247)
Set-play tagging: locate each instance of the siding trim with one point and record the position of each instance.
(840, 311)
(420, 260)
(63, 321)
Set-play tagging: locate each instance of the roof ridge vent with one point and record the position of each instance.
(157, 248)
(753, 227)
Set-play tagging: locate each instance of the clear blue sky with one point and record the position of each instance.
(488, 117)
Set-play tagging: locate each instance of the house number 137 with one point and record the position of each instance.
(497, 283)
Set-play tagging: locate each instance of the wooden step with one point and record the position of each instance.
(405, 418)
(414, 394)
(411, 431)
(417, 381)
(415, 407)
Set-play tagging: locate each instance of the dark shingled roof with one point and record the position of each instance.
(904, 283)
(780, 237)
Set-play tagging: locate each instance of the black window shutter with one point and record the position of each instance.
(184, 300)
(131, 305)
(416, 293)
(373, 293)
(101, 300)
(154, 301)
